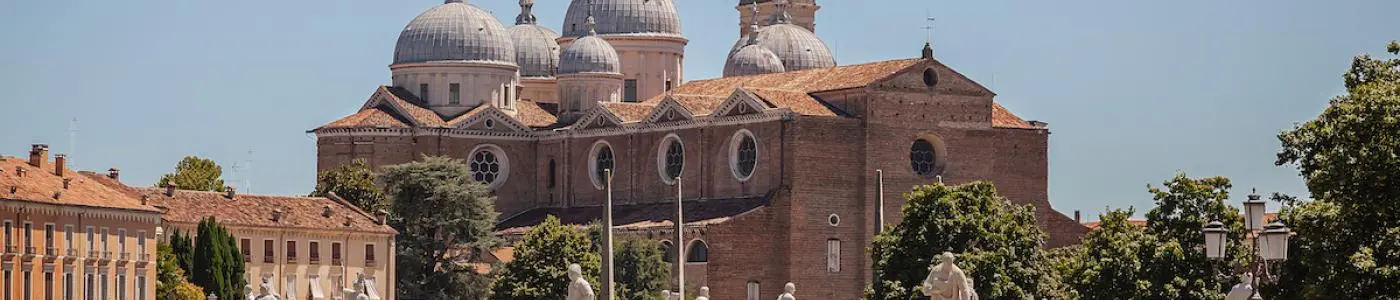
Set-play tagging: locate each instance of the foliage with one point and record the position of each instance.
(218, 265)
(641, 272)
(195, 174)
(182, 247)
(1348, 240)
(172, 284)
(354, 182)
(1107, 264)
(1174, 262)
(438, 210)
(542, 258)
(996, 242)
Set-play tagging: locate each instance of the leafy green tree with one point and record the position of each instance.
(1174, 262)
(182, 247)
(172, 283)
(438, 209)
(996, 242)
(196, 174)
(1106, 265)
(1348, 239)
(218, 265)
(641, 272)
(354, 182)
(542, 258)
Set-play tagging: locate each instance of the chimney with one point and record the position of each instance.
(56, 194)
(114, 174)
(1076, 217)
(145, 199)
(169, 189)
(348, 221)
(14, 189)
(381, 217)
(58, 163)
(326, 212)
(230, 191)
(67, 182)
(20, 171)
(38, 155)
(928, 51)
(277, 215)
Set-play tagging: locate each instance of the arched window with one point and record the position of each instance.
(552, 175)
(601, 159)
(923, 158)
(698, 252)
(668, 251)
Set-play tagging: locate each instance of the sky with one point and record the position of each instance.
(1134, 91)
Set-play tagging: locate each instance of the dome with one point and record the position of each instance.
(589, 54)
(752, 60)
(454, 31)
(536, 52)
(798, 48)
(623, 17)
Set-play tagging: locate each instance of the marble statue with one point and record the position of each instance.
(1243, 290)
(248, 292)
(703, 294)
(788, 289)
(579, 289)
(361, 290)
(265, 291)
(946, 281)
(666, 295)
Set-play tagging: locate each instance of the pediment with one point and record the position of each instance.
(944, 79)
(740, 102)
(598, 117)
(383, 98)
(669, 110)
(491, 118)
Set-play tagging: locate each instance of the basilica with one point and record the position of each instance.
(775, 163)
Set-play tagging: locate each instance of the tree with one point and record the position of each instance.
(218, 263)
(1173, 261)
(196, 174)
(182, 248)
(438, 210)
(354, 182)
(1348, 239)
(542, 258)
(641, 272)
(172, 284)
(1106, 265)
(996, 242)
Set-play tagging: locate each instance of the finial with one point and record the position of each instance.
(592, 24)
(527, 16)
(928, 51)
(781, 16)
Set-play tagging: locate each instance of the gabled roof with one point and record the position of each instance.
(409, 105)
(1003, 118)
(372, 117)
(257, 210)
(534, 114)
(39, 185)
(800, 102)
(630, 112)
(808, 81)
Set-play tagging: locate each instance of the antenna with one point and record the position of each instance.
(248, 165)
(928, 28)
(72, 141)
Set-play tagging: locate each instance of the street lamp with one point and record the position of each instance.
(1270, 244)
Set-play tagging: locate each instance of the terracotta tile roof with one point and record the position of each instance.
(1268, 217)
(39, 185)
(409, 103)
(458, 120)
(697, 212)
(1003, 118)
(534, 114)
(700, 104)
(630, 112)
(809, 81)
(799, 102)
(372, 117)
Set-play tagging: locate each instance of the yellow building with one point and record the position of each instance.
(306, 247)
(69, 237)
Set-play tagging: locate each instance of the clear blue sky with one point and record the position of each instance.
(1134, 91)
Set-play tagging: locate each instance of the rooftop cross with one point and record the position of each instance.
(592, 25)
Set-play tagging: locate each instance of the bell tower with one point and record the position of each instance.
(803, 12)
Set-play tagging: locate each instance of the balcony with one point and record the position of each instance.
(50, 254)
(70, 255)
(123, 258)
(105, 258)
(11, 251)
(93, 255)
(30, 252)
(143, 259)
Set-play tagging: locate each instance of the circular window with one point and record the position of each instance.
(490, 123)
(833, 220)
(488, 165)
(923, 158)
(930, 78)
(670, 159)
(743, 154)
(600, 160)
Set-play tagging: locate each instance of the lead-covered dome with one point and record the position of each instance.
(798, 48)
(536, 52)
(623, 17)
(753, 60)
(589, 54)
(454, 31)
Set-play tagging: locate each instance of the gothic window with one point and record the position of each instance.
(629, 90)
(489, 165)
(923, 158)
(698, 252)
(744, 154)
(671, 159)
(454, 93)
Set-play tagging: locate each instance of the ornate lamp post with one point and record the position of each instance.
(1269, 245)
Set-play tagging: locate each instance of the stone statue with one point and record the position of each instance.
(579, 289)
(946, 281)
(248, 292)
(1243, 290)
(703, 294)
(266, 291)
(666, 295)
(788, 289)
(361, 289)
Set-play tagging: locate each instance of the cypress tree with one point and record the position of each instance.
(218, 265)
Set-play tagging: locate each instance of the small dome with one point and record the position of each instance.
(454, 31)
(798, 48)
(536, 52)
(589, 54)
(752, 60)
(623, 17)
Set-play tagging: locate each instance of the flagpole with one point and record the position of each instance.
(608, 239)
(680, 243)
